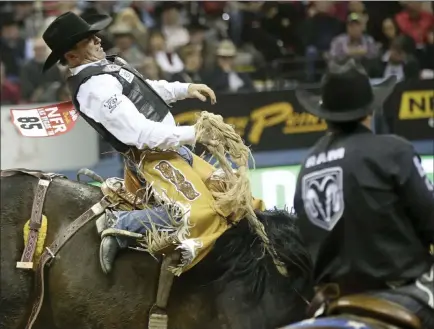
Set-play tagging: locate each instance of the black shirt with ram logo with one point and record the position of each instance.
(366, 210)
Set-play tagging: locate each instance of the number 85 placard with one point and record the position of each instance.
(30, 124)
(45, 121)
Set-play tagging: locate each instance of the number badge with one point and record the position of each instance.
(30, 123)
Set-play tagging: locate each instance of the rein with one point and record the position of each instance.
(50, 252)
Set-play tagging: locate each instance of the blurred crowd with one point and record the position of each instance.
(231, 46)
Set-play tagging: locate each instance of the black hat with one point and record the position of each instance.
(67, 30)
(346, 94)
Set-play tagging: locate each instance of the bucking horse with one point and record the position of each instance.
(236, 286)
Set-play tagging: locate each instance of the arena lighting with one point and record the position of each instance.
(276, 185)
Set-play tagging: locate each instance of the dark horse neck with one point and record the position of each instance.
(235, 286)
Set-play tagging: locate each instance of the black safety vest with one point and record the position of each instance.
(135, 87)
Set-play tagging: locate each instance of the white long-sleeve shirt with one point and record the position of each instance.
(101, 99)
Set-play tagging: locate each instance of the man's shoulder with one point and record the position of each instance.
(97, 84)
(386, 146)
(393, 139)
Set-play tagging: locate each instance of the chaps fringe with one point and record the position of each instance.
(238, 195)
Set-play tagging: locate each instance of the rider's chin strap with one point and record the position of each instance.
(158, 318)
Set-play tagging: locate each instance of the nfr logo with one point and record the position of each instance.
(417, 105)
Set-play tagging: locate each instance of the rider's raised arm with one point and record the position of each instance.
(416, 192)
(102, 100)
(170, 91)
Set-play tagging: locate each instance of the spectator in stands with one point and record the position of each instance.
(151, 70)
(65, 6)
(145, 11)
(22, 10)
(125, 45)
(129, 17)
(317, 33)
(257, 25)
(35, 85)
(320, 28)
(171, 25)
(197, 30)
(415, 22)
(398, 62)
(355, 44)
(27, 18)
(10, 93)
(282, 20)
(192, 58)
(12, 47)
(378, 11)
(168, 61)
(358, 7)
(390, 31)
(99, 7)
(224, 78)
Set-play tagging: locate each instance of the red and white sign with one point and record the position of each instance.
(47, 121)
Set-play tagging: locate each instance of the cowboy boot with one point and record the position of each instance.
(107, 252)
(112, 239)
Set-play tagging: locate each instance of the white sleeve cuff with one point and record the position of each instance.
(186, 134)
(181, 90)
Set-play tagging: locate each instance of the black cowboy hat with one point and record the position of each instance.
(69, 29)
(346, 94)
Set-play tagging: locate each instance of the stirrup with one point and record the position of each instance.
(158, 319)
(105, 221)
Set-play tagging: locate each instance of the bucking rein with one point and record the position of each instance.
(228, 143)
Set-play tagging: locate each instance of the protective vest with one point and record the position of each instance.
(135, 87)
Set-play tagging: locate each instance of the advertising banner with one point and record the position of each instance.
(272, 120)
(409, 111)
(275, 120)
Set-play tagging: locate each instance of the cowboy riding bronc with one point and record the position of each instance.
(133, 115)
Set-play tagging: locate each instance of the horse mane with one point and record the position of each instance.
(239, 254)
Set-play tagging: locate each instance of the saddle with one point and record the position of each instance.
(375, 308)
(115, 191)
(327, 302)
